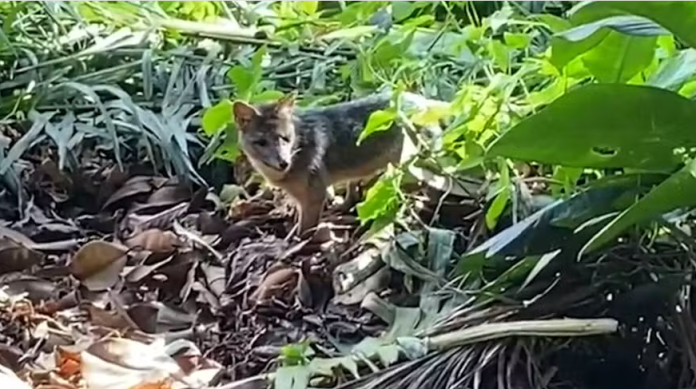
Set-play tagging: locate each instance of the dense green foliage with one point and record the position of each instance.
(599, 101)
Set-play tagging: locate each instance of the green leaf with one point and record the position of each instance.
(675, 71)
(679, 17)
(675, 192)
(500, 53)
(308, 7)
(605, 126)
(402, 9)
(229, 149)
(380, 120)
(246, 79)
(217, 117)
(243, 80)
(266, 96)
(619, 57)
(501, 198)
(497, 207)
(382, 200)
(564, 51)
(554, 23)
(628, 25)
(517, 40)
(569, 44)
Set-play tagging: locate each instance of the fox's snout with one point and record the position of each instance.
(278, 160)
(282, 164)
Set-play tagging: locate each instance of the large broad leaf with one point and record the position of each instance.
(674, 71)
(628, 36)
(618, 58)
(677, 191)
(605, 126)
(628, 25)
(679, 17)
(554, 226)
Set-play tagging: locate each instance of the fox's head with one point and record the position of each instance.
(267, 132)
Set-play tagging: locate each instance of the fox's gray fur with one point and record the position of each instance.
(304, 151)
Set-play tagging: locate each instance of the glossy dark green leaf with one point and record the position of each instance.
(679, 17)
(619, 57)
(624, 42)
(628, 25)
(674, 71)
(675, 192)
(554, 227)
(605, 126)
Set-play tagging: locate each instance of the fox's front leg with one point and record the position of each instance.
(310, 201)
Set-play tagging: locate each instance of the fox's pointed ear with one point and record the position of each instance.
(286, 103)
(243, 113)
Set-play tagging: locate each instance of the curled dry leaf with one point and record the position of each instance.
(98, 264)
(154, 240)
(170, 195)
(16, 236)
(137, 185)
(278, 283)
(117, 363)
(145, 316)
(10, 356)
(314, 286)
(101, 317)
(36, 289)
(15, 257)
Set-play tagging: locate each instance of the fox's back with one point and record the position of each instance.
(339, 126)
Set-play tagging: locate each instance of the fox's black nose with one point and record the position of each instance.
(282, 165)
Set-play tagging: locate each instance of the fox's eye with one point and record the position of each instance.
(261, 142)
(284, 138)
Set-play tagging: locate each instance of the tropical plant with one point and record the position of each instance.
(560, 184)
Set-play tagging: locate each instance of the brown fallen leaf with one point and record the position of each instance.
(37, 289)
(16, 236)
(209, 223)
(98, 264)
(314, 287)
(101, 317)
(154, 240)
(10, 356)
(170, 195)
(145, 316)
(278, 283)
(15, 257)
(117, 363)
(135, 186)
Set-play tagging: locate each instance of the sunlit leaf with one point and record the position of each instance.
(217, 117)
(382, 200)
(610, 126)
(619, 57)
(380, 120)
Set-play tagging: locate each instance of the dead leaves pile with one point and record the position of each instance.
(127, 295)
